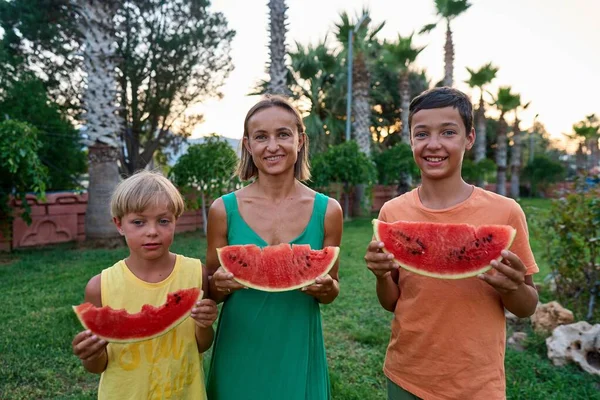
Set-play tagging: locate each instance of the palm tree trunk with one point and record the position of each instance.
(448, 57)
(515, 161)
(278, 29)
(102, 121)
(480, 144)
(360, 105)
(405, 104)
(501, 151)
(103, 178)
(405, 180)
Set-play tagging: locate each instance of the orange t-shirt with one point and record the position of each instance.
(448, 336)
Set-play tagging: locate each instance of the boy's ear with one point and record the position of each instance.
(471, 139)
(117, 222)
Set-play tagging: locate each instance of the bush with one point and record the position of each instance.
(542, 172)
(393, 162)
(21, 170)
(572, 234)
(472, 171)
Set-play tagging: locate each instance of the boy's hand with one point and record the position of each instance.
(321, 288)
(88, 346)
(204, 313)
(510, 273)
(378, 262)
(224, 282)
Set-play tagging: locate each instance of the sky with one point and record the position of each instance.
(548, 51)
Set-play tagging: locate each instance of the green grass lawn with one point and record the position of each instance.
(38, 288)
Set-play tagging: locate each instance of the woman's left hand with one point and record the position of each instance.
(321, 288)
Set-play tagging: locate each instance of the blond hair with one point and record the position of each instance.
(246, 169)
(136, 193)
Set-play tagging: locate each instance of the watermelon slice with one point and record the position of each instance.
(447, 251)
(118, 326)
(277, 268)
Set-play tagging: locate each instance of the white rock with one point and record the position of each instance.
(578, 343)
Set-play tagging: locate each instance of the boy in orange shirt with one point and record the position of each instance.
(448, 336)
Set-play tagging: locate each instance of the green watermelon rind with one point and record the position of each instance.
(336, 251)
(166, 330)
(465, 275)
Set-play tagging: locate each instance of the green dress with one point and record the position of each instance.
(269, 345)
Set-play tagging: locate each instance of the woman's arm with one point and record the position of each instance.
(327, 288)
(220, 282)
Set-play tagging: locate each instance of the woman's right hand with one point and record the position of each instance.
(378, 262)
(224, 283)
(88, 347)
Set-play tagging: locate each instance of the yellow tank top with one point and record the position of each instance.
(168, 367)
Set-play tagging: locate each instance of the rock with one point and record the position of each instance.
(516, 341)
(578, 343)
(514, 322)
(550, 315)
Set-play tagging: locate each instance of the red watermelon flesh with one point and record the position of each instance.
(448, 251)
(118, 326)
(277, 268)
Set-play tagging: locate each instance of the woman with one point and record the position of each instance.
(270, 345)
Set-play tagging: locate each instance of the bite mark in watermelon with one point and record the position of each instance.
(277, 268)
(447, 251)
(118, 326)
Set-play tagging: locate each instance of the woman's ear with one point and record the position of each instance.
(301, 141)
(246, 145)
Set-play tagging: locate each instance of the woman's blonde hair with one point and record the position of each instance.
(136, 193)
(246, 169)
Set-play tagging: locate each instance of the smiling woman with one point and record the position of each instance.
(270, 345)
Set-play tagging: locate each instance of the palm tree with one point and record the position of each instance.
(587, 132)
(102, 122)
(506, 102)
(400, 55)
(277, 33)
(315, 78)
(515, 155)
(479, 79)
(361, 77)
(448, 10)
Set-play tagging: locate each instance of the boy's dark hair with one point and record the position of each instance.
(441, 97)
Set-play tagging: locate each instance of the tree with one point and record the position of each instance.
(172, 55)
(479, 79)
(362, 46)
(20, 168)
(343, 164)
(42, 37)
(400, 55)
(515, 155)
(277, 33)
(541, 172)
(102, 122)
(448, 10)
(61, 150)
(206, 168)
(316, 81)
(506, 102)
(587, 133)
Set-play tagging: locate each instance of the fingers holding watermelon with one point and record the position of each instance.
(87, 346)
(378, 262)
(509, 273)
(322, 287)
(204, 313)
(224, 282)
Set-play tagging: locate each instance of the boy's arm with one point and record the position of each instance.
(516, 289)
(204, 330)
(90, 349)
(385, 269)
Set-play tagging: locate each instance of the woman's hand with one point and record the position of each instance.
(322, 287)
(224, 283)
